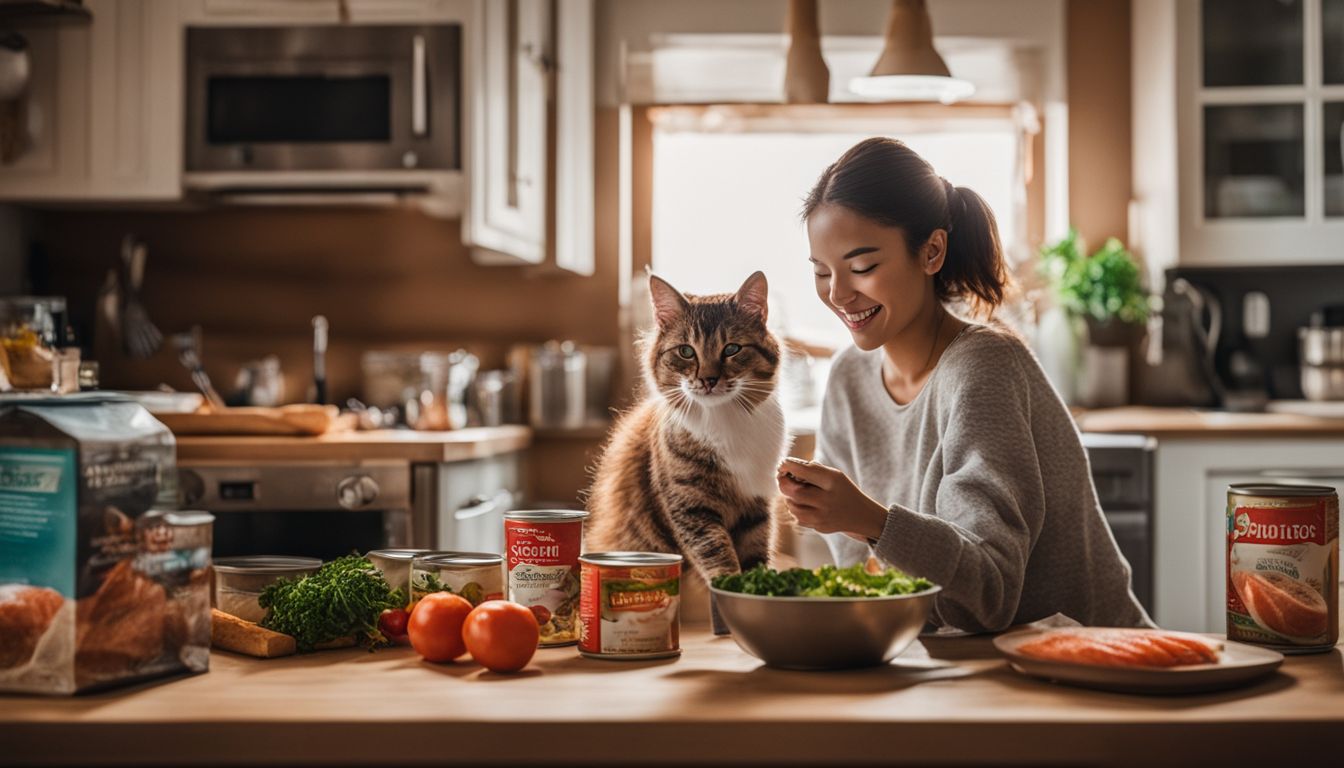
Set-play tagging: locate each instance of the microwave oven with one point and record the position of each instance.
(322, 109)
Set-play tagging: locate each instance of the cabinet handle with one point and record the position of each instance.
(479, 506)
(419, 93)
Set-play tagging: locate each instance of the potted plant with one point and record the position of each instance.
(1105, 291)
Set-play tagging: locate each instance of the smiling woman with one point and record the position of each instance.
(943, 449)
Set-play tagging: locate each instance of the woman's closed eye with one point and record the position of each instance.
(864, 270)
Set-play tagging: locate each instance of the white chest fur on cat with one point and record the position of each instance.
(750, 443)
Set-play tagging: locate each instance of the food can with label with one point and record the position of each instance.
(395, 566)
(542, 556)
(631, 605)
(477, 576)
(1283, 566)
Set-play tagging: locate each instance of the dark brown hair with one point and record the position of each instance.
(887, 182)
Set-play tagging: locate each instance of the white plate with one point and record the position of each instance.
(1239, 664)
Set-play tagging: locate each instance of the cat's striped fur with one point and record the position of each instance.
(691, 468)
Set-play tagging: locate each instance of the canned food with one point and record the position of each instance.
(239, 581)
(395, 565)
(1283, 566)
(543, 563)
(631, 605)
(477, 576)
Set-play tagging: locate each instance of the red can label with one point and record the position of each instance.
(543, 564)
(1283, 570)
(630, 611)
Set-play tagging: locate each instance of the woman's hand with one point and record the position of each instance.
(827, 501)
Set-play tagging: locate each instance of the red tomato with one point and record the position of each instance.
(502, 636)
(392, 623)
(435, 626)
(542, 614)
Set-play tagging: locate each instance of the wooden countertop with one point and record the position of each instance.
(946, 700)
(404, 444)
(1192, 423)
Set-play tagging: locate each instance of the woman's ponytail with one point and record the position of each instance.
(886, 181)
(973, 269)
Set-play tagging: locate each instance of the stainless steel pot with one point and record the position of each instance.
(1321, 356)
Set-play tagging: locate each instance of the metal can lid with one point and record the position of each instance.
(545, 515)
(466, 559)
(1280, 489)
(396, 554)
(277, 564)
(189, 517)
(632, 559)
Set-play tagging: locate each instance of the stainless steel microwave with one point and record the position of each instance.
(322, 108)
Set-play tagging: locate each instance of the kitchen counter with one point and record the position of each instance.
(1189, 422)
(382, 444)
(945, 700)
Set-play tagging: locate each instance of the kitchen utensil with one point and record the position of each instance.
(319, 359)
(188, 345)
(493, 397)
(557, 377)
(441, 402)
(1321, 357)
(140, 338)
(1203, 302)
(1240, 664)
(259, 383)
(824, 632)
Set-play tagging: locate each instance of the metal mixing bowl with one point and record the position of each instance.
(824, 632)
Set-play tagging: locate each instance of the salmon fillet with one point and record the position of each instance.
(1122, 648)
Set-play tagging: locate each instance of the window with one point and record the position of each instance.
(729, 182)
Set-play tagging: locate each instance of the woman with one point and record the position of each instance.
(943, 448)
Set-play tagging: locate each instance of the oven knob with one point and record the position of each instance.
(357, 491)
(241, 155)
(410, 160)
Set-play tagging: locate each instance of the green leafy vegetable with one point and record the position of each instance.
(826, 581)
(343, 598)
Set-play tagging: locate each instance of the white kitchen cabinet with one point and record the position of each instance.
(1189, 526)
(318, 11)
(104, 108)
(530, 65)
(1245, 99)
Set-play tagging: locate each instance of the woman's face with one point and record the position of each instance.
(867, 275)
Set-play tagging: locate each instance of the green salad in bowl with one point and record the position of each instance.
(823, 618)
(826, 581)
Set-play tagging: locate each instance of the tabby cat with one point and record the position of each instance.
(691, 468)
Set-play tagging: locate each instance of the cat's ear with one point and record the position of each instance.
(751, 296)
(668, 304)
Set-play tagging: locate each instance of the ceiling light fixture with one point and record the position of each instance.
(909, 68)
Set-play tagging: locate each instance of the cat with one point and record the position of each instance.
(691, 468)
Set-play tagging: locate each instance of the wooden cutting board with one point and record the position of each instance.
(293, 420)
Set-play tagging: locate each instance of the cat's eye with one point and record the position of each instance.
(731, 349)
(686, 351)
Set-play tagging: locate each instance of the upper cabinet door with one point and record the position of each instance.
(102, 118)
(511, 64)
(1260, 100)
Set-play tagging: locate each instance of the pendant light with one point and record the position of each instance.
(909, 68)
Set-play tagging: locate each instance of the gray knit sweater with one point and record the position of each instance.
(986, 483)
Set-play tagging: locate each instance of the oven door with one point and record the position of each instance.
(321, 99)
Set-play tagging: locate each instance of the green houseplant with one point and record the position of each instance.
(1104, 289)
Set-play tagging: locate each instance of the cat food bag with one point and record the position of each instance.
(97, 587)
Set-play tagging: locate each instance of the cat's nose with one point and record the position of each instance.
(709, 382)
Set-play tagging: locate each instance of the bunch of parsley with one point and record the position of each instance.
(343, 598)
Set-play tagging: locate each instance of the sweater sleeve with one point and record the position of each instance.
(989, 505)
